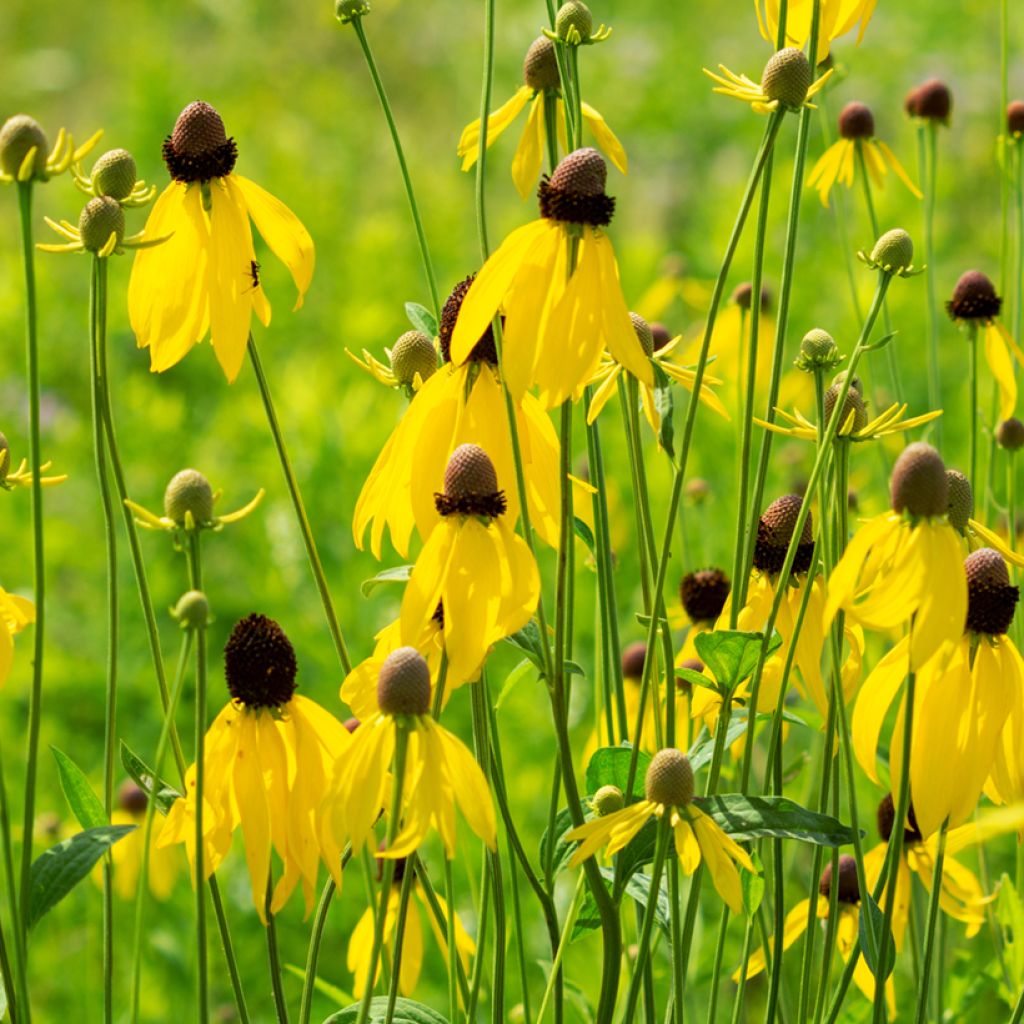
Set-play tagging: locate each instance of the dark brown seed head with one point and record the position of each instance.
(974, 298)
(1010, 434)
(643, 333)
(669, 779)
(540, 68)
(887, 819)
(743, 295)
(853, 404)
(575, 191)
(198, 148)
(991, 599)
(484, 350)
(931, 100)
(633, 658)
(774, 532)
(856, 121)
(961, 500)
(259, 663)
(787, 77)
(661, 335)
(470, 485)
(131, 797)
(403, 686)
(1015, 117)
(849, 890)
(919, 484)
(703, 594)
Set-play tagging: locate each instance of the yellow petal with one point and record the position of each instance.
(606, 139)
(469, 142)
(529, 155)
(1001, 365)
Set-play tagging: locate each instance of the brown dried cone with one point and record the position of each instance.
(198, 148)
(774, 532)
(259, 663)
(856, 121)
(669, 778)
(403, 685)
(485, 349)
(575, 191)
(931, 101)
(991, 599)
(470, 485)
(703, 594)
(974, 298)
(849, 889)
(919, 484)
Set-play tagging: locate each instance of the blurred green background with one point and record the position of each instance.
(294, 91)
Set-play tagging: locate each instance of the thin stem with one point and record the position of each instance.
(229, 952)
(276, 982)
(927, 136)
(13, 982)
(556, 966)
(453, 954)
(929, 936)
(421, 238)
(300, 509)
(315, 938)
(972, 377)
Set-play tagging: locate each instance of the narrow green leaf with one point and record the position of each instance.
(406, 1012)
(421, 318)
(57, 871)
(399, 574)
(752, 885)
(563, 849)
(869, 909)
(340, 996)
(695, 678)
(748, 817)
(527, 640)
(585, 534)
(84, 803)
(732, 654)
(511, 679)
(164, 794)
(663, 404)
(609, 766)
(703, 747)
(1010, 912)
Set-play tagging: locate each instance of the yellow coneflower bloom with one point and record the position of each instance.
(836, 164)
(668, 789)
(25, 154)
(473, 565)
(847, 928)
(905, 564)
(785, 83)
(557, 323)
(459, 404)
(360, 943)
(439, 774)
(608, 373)
(16, 613)
(540, 74)
(269, 755)
(411, 361)
(836, 18)
(205, 278)
(975, 302)
(164, 863)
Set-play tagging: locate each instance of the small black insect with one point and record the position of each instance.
(254, 273)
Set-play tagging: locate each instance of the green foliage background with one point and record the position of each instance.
(293, 90)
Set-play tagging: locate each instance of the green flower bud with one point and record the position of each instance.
(113, 174)
(787, 77)
(413, 353)
(189, 491)
(346, 10)
(607, 800)
(818, 351)
(893, 251)
(101, 218)
(574, 15)
(18, 135)
(192, 610)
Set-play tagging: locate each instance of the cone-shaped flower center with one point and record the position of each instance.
(643, 333)
(919, 484)
(403, 686)
(1015, 117)
(101, 217)
(199, 149)
(849, 890)
(931, 100)
(974, 298)
(484, 350)
(132, 798)
(669, 779)
(853, 403)
(114, 174)
(413, 353)
(961, 499)
(743, 295)
(633, 658)
(259, 663)
(189, 491)
(887, 819)
(540, 67)
(575, 192)
(991, 598)
(703, 594)
(787, 77)
(856, 122)
(1010, 434)
(470, 485)
(774, 532)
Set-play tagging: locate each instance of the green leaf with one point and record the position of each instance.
(870, 909)
(407, 1011)
(57, 871)
(421, 318)
(164, 795)
(511, 679)
(1010, 912)
(752, 885)
(399, 574)
(637, 888)
(527, 640)
(563, 849)
(664, 407)
(324, 987)
(695, 678)
(84, 803)
(748, 817)
(703, 748)
(732, 654)
(585, 534)
(609, 766)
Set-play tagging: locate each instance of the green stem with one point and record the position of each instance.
(453, 953)
(14, 983)
(929, 937)
(421, 238)
(927, 137)
(398, 776)
(98, 328)
(972, 377)
(563, 942)
(39, 581)
(300, 509)
(315, 938)
(398, 942)
(276, 982)
(1004, 178)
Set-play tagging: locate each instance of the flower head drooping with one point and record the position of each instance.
(668, 789)
(930, 101)
(189, 502)
(540, 81)
(786, 83)
(906, 564)
(974, 302)
(473, 565)
(25, 154)
(268, 759)
(836, 18)
(856, 135)
(559, 316)
(440, 772)
(205, 278)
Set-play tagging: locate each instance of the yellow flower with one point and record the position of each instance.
(190, 504)
(25, 154)
(439, 773)
(785, 83)
(905, 565)
(668, 789)
(540, 73)
(360, 943)
(16, 613)
(976, 303)
(856, 134)
(205, 278)
(608, 373)
(847, 928)
(473, 565)
(975, 535)
(557, 323)
(459, 404)
(269, 755)
(836, 18)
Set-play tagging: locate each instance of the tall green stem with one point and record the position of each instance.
(927, 140)
(274, 958)
(14, 983)
(972, 378)
(929, 938)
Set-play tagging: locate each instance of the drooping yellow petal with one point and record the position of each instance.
(606, 139)
(1001, 365)
(719, 851)
(469, 142)
(619, 335)
(897, 167)
(876, 696)
(253, 810)
(529, 154)
(824, 173)
(793, 927)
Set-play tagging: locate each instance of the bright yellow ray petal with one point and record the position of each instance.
(529, 154)
(606, 139)
(497, 122)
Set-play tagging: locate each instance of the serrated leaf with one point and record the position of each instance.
(663, 405)
(609, 766)
(870, 910)
(421, 318)
(340, 996)
(84, 803)
(750, 817)
(731, 654)
(407, 1011)
(164, 795)
(57, 871)
(752, 885)
(399, 574)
